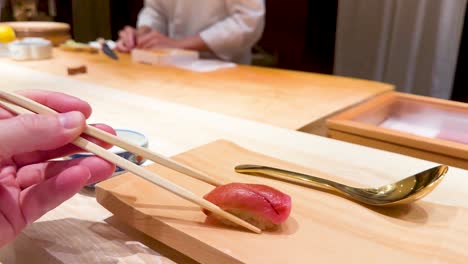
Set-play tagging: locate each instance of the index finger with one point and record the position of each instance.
(60, 102)
(130, 37)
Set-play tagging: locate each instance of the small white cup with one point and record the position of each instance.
(30, 49)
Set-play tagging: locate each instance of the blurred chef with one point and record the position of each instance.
(225, 30)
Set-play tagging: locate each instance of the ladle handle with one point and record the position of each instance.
(289, 176)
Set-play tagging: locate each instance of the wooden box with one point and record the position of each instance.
(164, 56)
(418, 126)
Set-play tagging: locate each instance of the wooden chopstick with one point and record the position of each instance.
(130, 166)
(114, 140)
(146, 153)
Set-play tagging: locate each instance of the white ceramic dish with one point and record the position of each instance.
(128, 135)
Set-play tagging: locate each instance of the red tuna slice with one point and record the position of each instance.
(260, 205)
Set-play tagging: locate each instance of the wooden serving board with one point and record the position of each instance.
(322, 228)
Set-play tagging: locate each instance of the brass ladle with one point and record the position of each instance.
(400, 192)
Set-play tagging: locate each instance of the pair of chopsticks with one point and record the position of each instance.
(37, 108)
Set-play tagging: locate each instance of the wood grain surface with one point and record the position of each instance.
(321, 224)
(81, 231)
(288, 99)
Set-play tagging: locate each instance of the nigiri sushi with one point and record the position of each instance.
(260, 205)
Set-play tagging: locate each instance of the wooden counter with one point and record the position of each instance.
(81, 231)
(288, 99)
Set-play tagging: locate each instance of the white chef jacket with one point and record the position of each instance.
(229, 27)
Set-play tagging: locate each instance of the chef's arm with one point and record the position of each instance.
(153, 16)
(231, 36)
(193, 43)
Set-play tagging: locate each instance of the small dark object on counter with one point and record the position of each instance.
(107, 50)
(77, 70)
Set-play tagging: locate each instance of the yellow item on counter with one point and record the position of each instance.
(7, 34)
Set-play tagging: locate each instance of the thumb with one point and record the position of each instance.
(31, 132)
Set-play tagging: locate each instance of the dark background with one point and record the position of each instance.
(303, 38)
(460, 85)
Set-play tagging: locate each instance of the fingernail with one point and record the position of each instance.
(71, 120)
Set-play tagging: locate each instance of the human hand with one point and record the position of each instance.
(154, 39)
(128, 37)
(30, 183)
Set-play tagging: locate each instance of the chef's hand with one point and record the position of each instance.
(155, 40)
(30, 183)
(128, 37)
